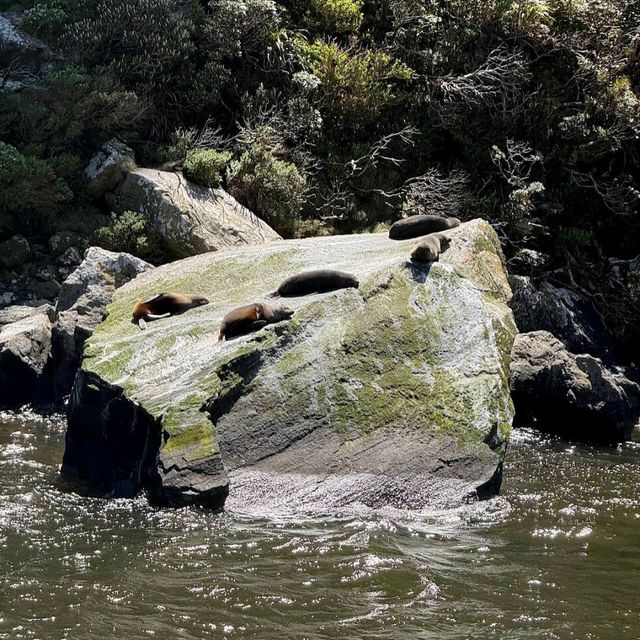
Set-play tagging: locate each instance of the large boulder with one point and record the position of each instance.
(189, 219)
(81, 305)
(392, 394)
(570, 394)
(567, 315)
(107, 168)
(25, 347)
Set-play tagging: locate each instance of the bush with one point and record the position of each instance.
(47, 18)
(27, 186)
(271, 188)
(129, 232)
(205, 166)
(356, 85)
(341, 16)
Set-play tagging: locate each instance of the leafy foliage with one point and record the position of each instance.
(29, 189)
(205, 166)
(129, 232)
(269, 187)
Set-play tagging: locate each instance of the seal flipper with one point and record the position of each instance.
(151, 316)
(142, 324)
(258, 324)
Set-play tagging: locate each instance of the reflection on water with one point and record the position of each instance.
(557, 556)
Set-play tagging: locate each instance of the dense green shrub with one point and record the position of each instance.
(48, 18)
(337, 16)
(356, 84)
(129, 231)
(30, 190)
(269, 187)
(205, 166)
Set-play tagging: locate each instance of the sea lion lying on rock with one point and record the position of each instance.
(430, 248)
(415, 226)
(319, 281)
(251, 317)
(164, 305)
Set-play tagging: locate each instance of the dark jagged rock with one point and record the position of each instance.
(14, 252)
(570, 394)
(568, 316)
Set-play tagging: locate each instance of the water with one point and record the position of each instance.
(556, 556)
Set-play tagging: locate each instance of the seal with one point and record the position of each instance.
(251, 317)
(416, 226)
(164, 305)
(430, 248)
(319, 281)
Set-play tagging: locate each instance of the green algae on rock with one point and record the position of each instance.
(393, 394)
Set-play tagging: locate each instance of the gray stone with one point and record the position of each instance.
(8, 315)
(81, 306)
(70, 258)
(189, 219)
(108, 167)
(395, 394)
(14, 252)
(567, 393)
(567, 315)
(25, 347)
(27, 52)
(527, 262)
(62, 241)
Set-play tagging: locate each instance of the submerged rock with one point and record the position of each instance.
(395, 393)
(189, 219)
(571, 394)
(81, 306)
(25, 347)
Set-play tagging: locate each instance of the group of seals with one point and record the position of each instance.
(163, 305)
(433, 244)
(251, 317)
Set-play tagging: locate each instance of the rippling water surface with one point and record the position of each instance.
(557, 556)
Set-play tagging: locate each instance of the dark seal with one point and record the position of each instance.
(416, 226)
(164, 305)
(319, 281)
(251, 317)
(430, 248)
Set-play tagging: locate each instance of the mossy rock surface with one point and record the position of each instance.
(392, 394)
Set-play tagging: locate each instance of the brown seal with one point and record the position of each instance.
(251, 317)
(319, 281)
(422, 225)
(430, 248)
(164, 305)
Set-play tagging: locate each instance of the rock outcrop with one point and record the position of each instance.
(25, 347)
(392, 394)
(107, 169)
(81, 306)
(571, 394)
(187, 218)
(541, 306)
